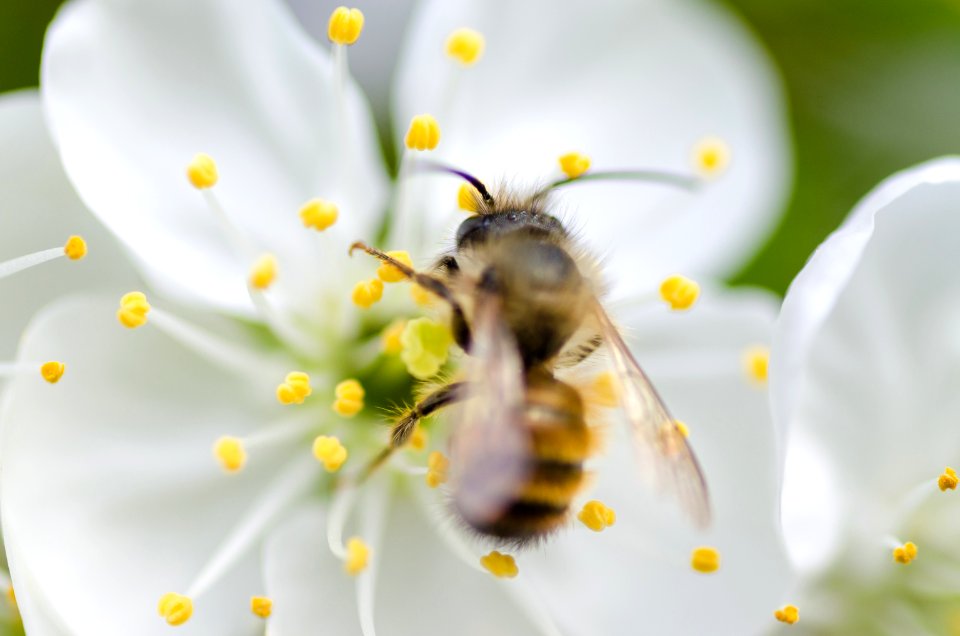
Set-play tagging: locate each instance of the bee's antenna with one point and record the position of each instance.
(434, 166)
(687, 182)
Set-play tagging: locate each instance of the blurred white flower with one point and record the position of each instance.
(121, 454)
(865, 373)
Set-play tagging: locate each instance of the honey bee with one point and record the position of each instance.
(524, 303)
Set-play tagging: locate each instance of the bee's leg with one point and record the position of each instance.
(403, 427)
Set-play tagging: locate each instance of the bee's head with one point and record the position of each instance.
(479, 229)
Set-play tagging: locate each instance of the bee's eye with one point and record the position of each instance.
(472, 230)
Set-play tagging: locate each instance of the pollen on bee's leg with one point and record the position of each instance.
(390, 274)
(231, 453)
(711, 157)
(502, 566)
(319, 214)
(679, 292)
(948, 480)
(358, 556)
(423, 133)
(74, 249)
(263, 272)
(175, 608)
(349, 396)
(596, 516)
(705, 559)
(345, 26)
(295, 388)
(367, 293)
(788, 614)
(438, 467)
(52, 371)
(261, 606)
(756, 364)
(330, 452)
(133, 310)
(906, 553)
(574, 164)
(465, 46)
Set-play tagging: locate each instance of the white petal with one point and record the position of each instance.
(632, 85)
(110, 495)
(637, 573)
(134, 89)
(40, 210)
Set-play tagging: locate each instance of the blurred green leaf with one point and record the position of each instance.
(22, 24)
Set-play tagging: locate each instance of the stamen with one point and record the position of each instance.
(75, 248)
(202, 171)
(230, 452)
(705, 559)
(467, 198)
(905, 553)
(679, 292)
(788, 614)
(574, 164)
(263, 272)
(319, 214)
(175, 608)
(391, 337)
(596, 516)
(418, 439)
(329, 452)
(358, 556)
(502, 566)
(133, 310)
(756, 363)
(423, 133)
(294, 389)
(684, 430)
(948, 480)
(421, 296)
(367, 293)
(261, 606)
(438, 467)
(349, 398)
(466, 46)
(711, 156)
(345, 26)
(390, 274)
(426, 345)
(52, 371)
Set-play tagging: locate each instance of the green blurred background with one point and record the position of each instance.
(873, 87)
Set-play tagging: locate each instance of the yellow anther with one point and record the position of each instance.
(231, 454)
(705, 559)
(391, 337)
(390, 274)
(465, 46)
(329, 452)
(261, 606)
(679, 292)
(318, 214)
(426, 345)
(418, 438)
(711, 156)
(604, 390)
(467, 198)
(500, 565)
(948, 480)
(202, 171)
(52, 371)
(367, 293)
(294, 389)
(788, 614)
(176, 609)
(596, 516)
(12, 598)
(574, 164)
(75, 248)
(358, 555)
(133, 310)
(438, 467)
(421, 296)
(349, 398)
(905, 553)
(345, 25)
(263, 272)
(684, 430)
(423, 133)
(756, 363)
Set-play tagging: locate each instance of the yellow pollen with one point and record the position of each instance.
(391, 337)
(421, 295)
(948, 480)
(231, 454)
(367, 293)
(75, 248)
(263, 272)
(905, 553)
(358, 555)
(12, 597)
(679, 292)
(574, 164)
(426, 345)
(176, 609)
(705, 559)
(684, 430)
(345, 26)
(329, 452)
(788, 614)
(419, 438)
(318, 214)
(261, 606)
(349, 398)
(604, 391)
(467, 198)
(52, 371)
(202, 171)
(294, 389)
(465, 46)
(596, 516)
(423, 133)
(390, 274)
(502, 566)
(711, 156)
(756, 363)
(133, 310)
(437, 468)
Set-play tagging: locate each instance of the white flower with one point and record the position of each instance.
(111, 498)
(865, 372)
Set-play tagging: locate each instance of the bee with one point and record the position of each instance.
(524, 304)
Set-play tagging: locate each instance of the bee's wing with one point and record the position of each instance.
(665, 456)
(490, 448)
